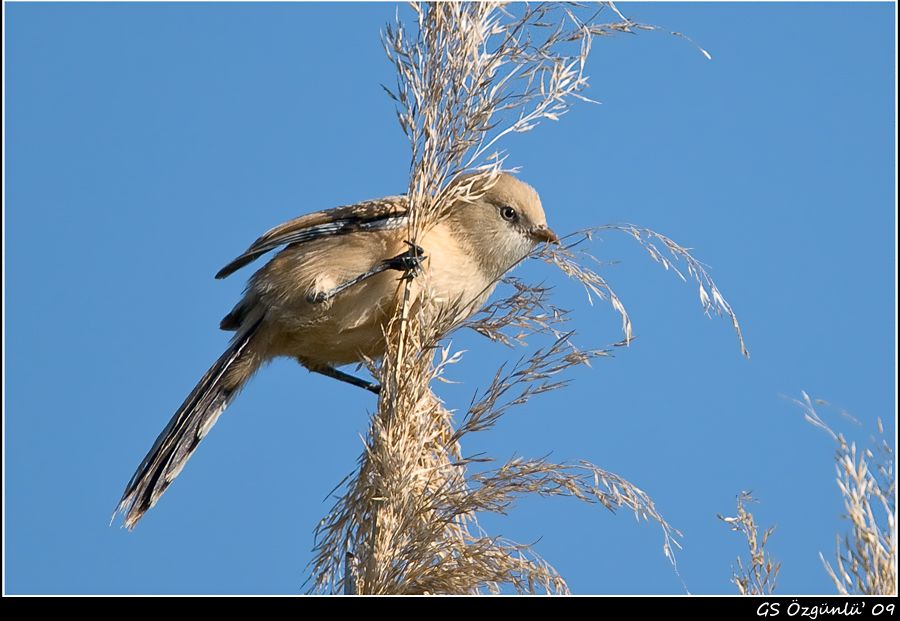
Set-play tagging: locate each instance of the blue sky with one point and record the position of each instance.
(148, 144)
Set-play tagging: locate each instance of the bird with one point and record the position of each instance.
(325, 298)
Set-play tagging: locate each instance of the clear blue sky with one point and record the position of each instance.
(148, 144)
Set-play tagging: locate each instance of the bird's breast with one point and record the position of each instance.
(453, 279)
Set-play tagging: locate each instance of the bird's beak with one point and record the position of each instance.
(543, 233)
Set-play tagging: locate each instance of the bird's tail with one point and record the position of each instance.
(189, 425)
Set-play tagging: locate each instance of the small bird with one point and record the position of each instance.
(326, 297)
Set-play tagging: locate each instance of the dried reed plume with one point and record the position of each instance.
(866, 557)
(469, 74)
(760, 574)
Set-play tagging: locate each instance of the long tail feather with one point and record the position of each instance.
(189, 426)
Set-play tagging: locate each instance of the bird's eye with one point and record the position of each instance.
(508, 213)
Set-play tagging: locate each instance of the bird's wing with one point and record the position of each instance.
(374, 215)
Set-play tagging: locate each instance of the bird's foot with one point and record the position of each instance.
(319, 297)
(409, 262)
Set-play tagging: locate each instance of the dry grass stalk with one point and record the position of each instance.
(572, 260)
(866, 557)
(404, 521)
(760, 574)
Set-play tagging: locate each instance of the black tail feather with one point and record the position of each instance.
(187, 428)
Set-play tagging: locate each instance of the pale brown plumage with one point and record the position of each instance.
(282, 312)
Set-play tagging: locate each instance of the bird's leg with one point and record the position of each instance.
(346, 377)
(408, 262)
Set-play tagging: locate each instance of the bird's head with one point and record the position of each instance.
(503, 225)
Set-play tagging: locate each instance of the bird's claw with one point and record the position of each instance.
(409, 262)
(318, 297)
